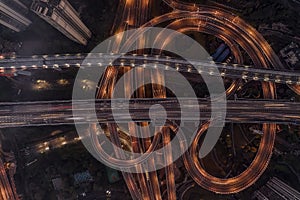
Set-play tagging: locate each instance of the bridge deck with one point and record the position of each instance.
(15, 65)
(83, 111)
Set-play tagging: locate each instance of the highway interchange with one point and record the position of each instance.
(185, 17)
(235, 32)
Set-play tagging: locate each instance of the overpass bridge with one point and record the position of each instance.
(49, 113)
(210, 68)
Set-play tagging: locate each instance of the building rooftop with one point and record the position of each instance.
(82, 177)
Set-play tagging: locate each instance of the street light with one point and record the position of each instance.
(108, 194)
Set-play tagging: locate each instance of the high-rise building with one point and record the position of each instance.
(12, 15)
(7, 171)
(276, 189)
(61, 15)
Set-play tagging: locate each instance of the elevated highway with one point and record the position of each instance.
(234, 71)
(48, 113)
